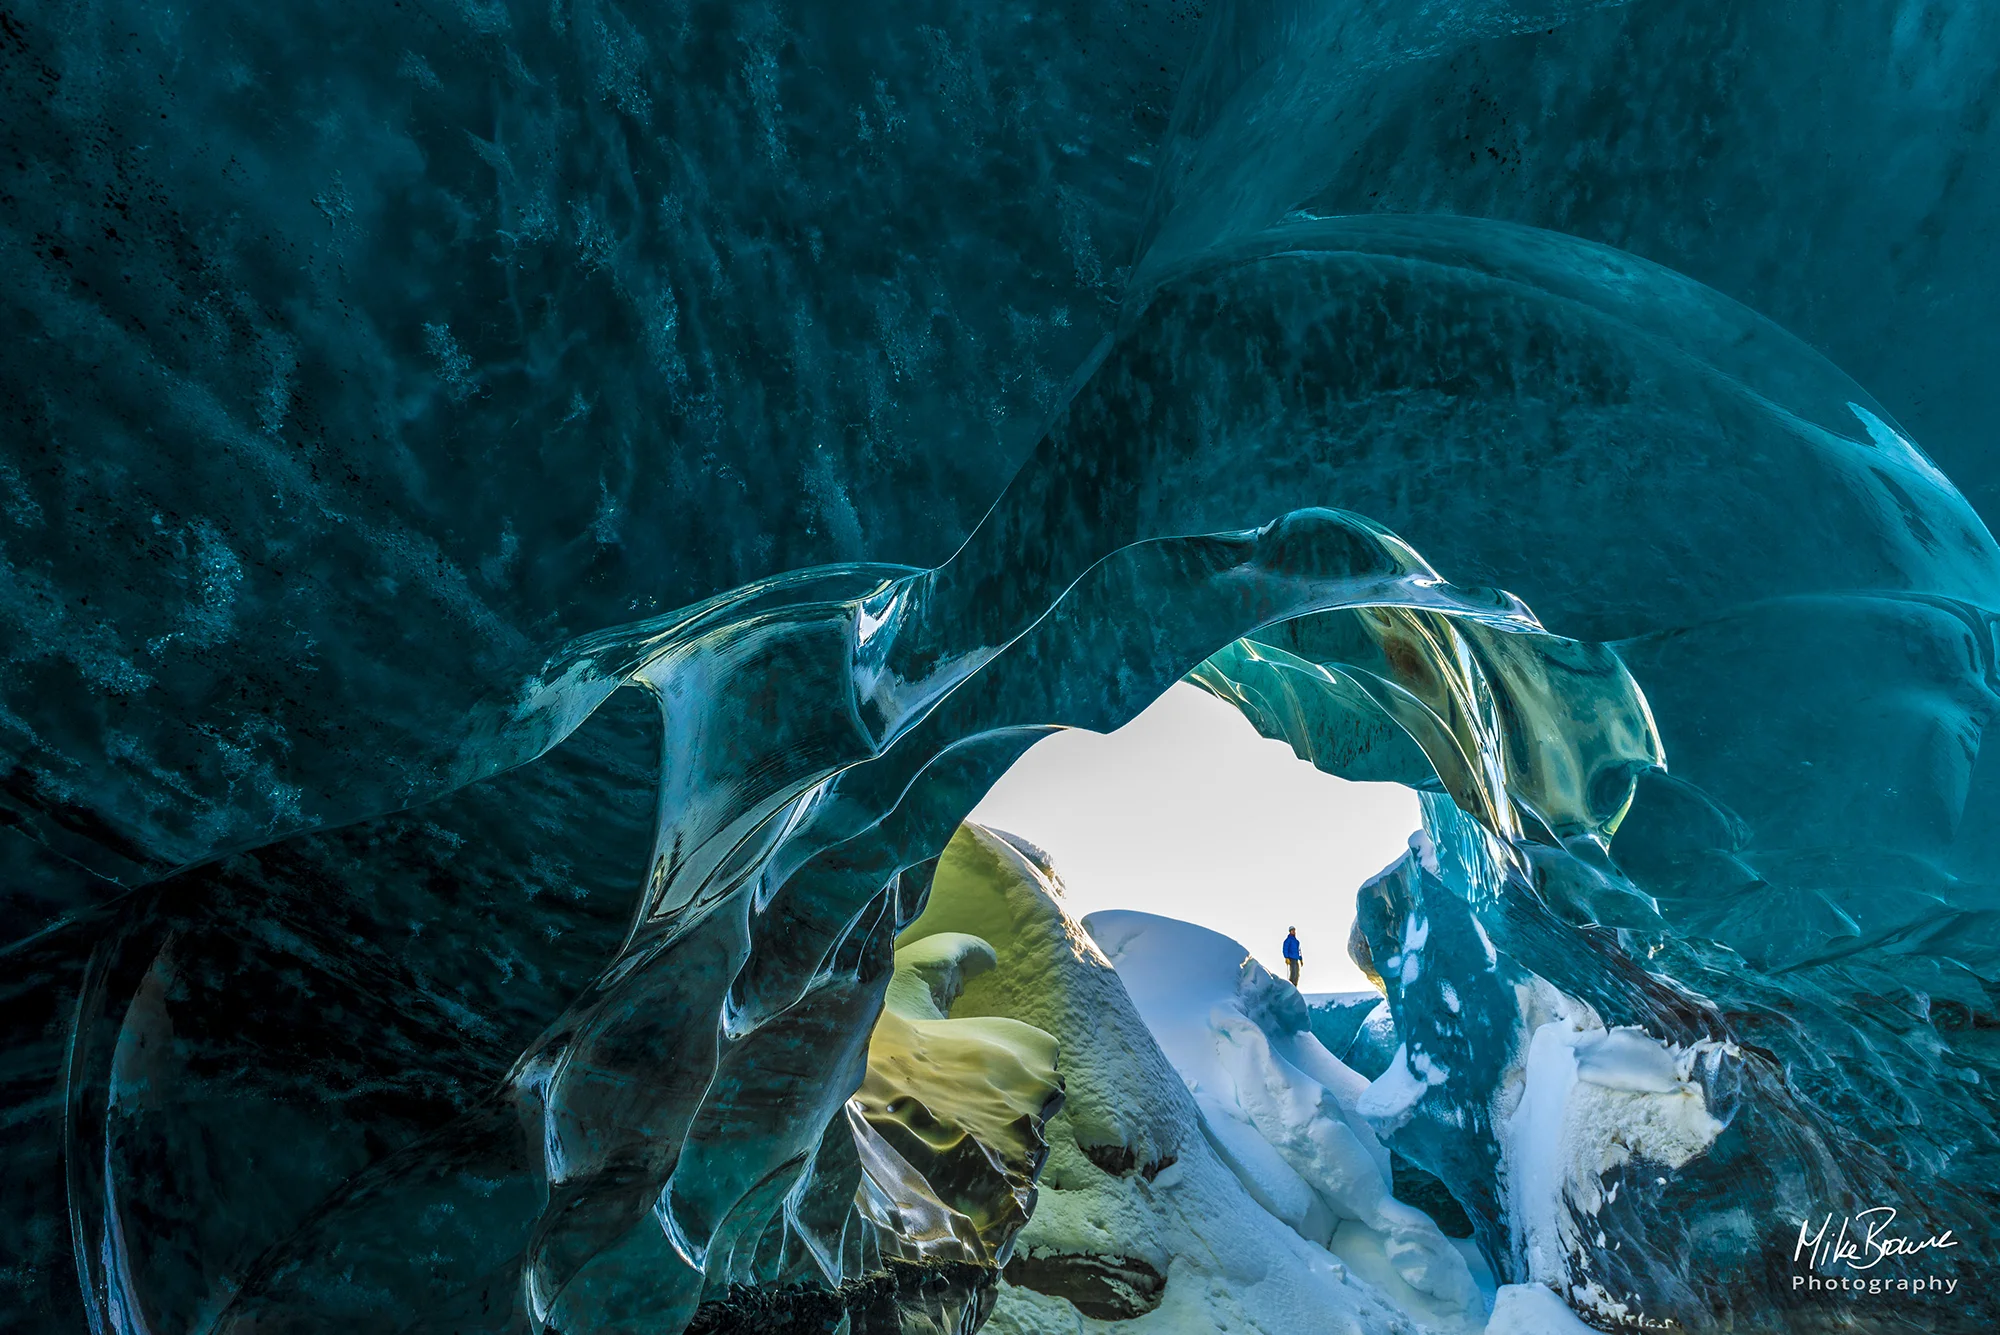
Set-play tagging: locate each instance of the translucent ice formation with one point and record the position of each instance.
(524, 529)
(950, 1114)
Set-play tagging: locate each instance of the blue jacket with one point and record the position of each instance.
(1292, 948)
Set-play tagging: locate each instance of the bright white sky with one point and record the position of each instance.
(1186, 811)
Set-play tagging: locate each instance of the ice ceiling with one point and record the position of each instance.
(768, 420)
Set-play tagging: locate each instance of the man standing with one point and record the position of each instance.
(1293, 956)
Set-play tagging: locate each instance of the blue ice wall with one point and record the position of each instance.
(873, 388)
(340, 336)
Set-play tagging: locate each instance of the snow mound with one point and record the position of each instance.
(1142, 1224)
(1530, 1309)
(1591, 1099)
(1286, 1116)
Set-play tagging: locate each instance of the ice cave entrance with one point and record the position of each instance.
(1188, 812)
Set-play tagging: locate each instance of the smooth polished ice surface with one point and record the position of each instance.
(768, 421)
(955, 1106)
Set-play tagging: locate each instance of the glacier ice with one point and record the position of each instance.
(955, 1107)
(1143, 1216)
(525, 528)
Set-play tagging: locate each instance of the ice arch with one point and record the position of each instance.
(1259, 481)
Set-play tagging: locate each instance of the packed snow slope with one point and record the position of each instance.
(1277, 1106)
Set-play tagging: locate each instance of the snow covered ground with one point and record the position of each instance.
(1282, 1112)
(1214, 1168)
(1588, 1100)
(1142, 1224)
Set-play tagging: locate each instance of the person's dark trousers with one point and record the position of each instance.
(1293, 965)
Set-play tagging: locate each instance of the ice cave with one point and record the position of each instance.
(528, 527)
